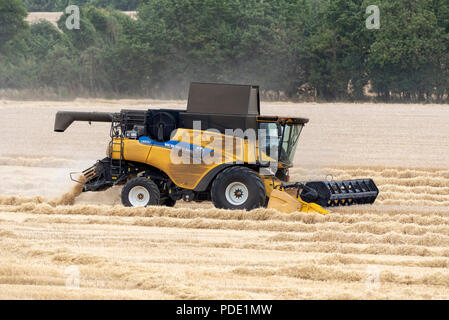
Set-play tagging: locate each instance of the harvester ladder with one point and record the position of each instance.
(116, 164)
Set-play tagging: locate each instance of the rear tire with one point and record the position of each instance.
(140, 192)
(238, 188)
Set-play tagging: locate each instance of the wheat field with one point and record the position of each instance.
(53, 17)
(397, 248)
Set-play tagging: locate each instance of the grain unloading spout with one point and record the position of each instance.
(65, 118)
(229, 99)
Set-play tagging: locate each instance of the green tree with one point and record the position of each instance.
(124, 5)
(301, 47)
(44, 36)
(12, 23)
(60, 69)
(409, 55)
(238, 41)
(339, 50)
(81, 38)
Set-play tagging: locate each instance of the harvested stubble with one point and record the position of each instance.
(197, 251)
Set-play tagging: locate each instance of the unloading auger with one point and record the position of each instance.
(143, 141)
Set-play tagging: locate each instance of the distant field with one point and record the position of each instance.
(397, 248)
(53, 17)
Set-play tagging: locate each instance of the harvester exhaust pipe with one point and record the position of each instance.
(65, 118)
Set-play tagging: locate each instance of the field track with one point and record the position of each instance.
(397, 248)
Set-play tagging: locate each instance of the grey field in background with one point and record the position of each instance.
(53, 17)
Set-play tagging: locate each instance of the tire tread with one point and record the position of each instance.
(243, 171)
(150, 185)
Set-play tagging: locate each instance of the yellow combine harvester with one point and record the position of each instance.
(220, 149)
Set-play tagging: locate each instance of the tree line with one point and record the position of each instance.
(300, 49)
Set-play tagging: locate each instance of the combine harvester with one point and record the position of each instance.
(143, 155)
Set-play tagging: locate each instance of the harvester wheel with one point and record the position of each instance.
(238, 188)
(140, 192)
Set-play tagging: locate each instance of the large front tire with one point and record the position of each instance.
(238, 188)
(140, 192)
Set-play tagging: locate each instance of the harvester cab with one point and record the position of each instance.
(220, 149)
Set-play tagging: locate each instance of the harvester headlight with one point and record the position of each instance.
(132, 134)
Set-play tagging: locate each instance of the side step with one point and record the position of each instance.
(344, 193)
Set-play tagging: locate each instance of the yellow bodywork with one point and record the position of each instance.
(187, 174)
(286, 202)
